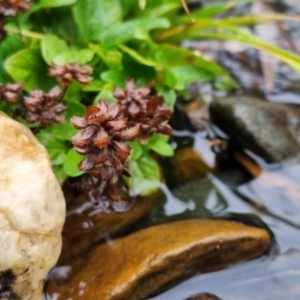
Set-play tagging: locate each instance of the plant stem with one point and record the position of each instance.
(31, 34)
(20, 30)
(187, 11)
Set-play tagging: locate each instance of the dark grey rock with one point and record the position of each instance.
(268, 129)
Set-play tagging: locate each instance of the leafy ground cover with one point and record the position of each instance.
(109, 42)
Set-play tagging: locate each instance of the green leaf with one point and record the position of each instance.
(56, 147)
(187, 67)
(83, 56)
(235, 33)
(115, 77)
(169, 98)
(106, 95)
(74, 108)
(126, 31)
(145, 175)
(141, 73)
(159, 144)
(73, 92)
(205, 12)
(71, 163)
(94, 86)
(28, 66)
(55, 3)
(188, 74)
(59, 173)
(136, 150)
(64, 131)
(93, 17)
(154, 9)
(166, 54)
(139, 58)
(8, 46)
(56, 50)
(110, 56)
(53, 47)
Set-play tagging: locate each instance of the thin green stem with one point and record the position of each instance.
(27, 33)
(20, 30)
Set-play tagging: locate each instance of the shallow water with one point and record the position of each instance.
(271, 200)
(274, 197)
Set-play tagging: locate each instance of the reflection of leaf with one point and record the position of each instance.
(145, 175)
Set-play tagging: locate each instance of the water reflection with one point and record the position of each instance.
(273, 197)
(173, 205)
(275, 278)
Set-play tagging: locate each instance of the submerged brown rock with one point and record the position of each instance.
(86, 225)
(190, 164)
(204, 296)
(140, 264)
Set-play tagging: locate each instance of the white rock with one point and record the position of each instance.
(32, 213)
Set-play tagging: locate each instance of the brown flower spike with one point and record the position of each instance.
(45, 108)
(12, 7)
(102, 137)
(10, 92)
(66, 74)
(144, 108)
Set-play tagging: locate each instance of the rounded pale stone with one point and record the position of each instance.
(142, 263)
(32, 212)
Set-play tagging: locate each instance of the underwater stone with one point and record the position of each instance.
(32, 213)
(144, 262)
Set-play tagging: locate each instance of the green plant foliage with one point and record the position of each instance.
(145, 175)
(10, 45)
(129, 30)
(55, 3)
(28, 66)
(120, 39)
(57, 51)
(93, 17)
(71, 162)
(187, 67)
(160, 145)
